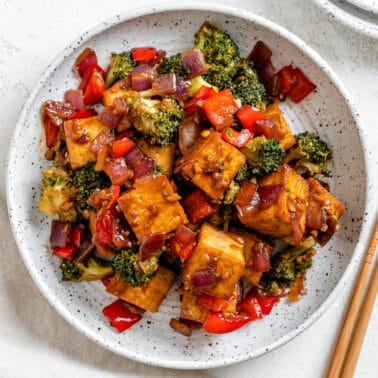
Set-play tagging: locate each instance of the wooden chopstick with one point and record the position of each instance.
(339, 354)
(351, 357)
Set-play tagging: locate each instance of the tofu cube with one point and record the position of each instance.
(190, 310)
(324, 211)
(252, 245)
(163, 155)
(119, 89)
(220, 254)
(152, 206)
(147, 296)
(285, 215)
(284, 134)
(80, 133)
(211, 164)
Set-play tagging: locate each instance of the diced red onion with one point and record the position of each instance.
(204, 278)
(189, 131)
(57, 111)
(86, 249)
(141, 77)
(59, 234)
(101, 140)
(260, 54)
(247, 201)
(75, 98)
(261, 258)
(144, 167)
(121, 233)
(120, 106)
(194, 61)
(133, 157)
(270, 193)
(109, 118)
(118, 171)
(316, 218)
(184, 236)
(164, 84)
(267, 128)
(151, 244)
(182, 88)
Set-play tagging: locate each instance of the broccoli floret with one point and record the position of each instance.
(86, 180)
(245, 84)
(84, 271)
(120, 66)
(263, 155)
(288, 265)
(58, 196)
(217, 46)
(196, 83)
(227, 69)
(173, 64)
(231, 192)
(156, 119)
(311, 153)
(134, 271)
(243, 174)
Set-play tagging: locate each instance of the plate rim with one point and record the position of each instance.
(349, 19)
(213, 8)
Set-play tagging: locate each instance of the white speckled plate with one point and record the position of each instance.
(327, 111)
(367, 5)
(360, 15)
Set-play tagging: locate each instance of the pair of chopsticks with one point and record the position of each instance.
(351, 337)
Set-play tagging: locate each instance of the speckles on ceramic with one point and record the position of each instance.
(360, 15)
(152, 341)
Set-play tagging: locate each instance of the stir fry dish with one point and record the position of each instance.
(182, 169)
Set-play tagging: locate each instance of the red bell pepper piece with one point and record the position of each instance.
(119, 316)
(104, 227)
(95, 88)
(66, 252)
(83, 113)
(204, 93)
(214, 304)
(87, 58)
(286, 80)
(121, 147)
(236, 138)
(76, 235)
(266, 302)
(144, 54)
(51, 132)
(220, 108)
(198, 206)
(251, 307)
(106, 281)
(88, 74)
(183, 242)
(248, 115)
(217, 322)
(302, 86)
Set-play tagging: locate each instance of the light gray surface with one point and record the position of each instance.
(34, 339)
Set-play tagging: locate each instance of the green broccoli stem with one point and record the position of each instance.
(295, 251)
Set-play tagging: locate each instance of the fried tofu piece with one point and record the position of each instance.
(80, 134)
(147, 296)
(190, 310)
(284, 214)
(119, 89)
(253, 245)
(152, 206)
(163, 155)
(218, 254)
(324, 211)
(211, 164)
(284, 134)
